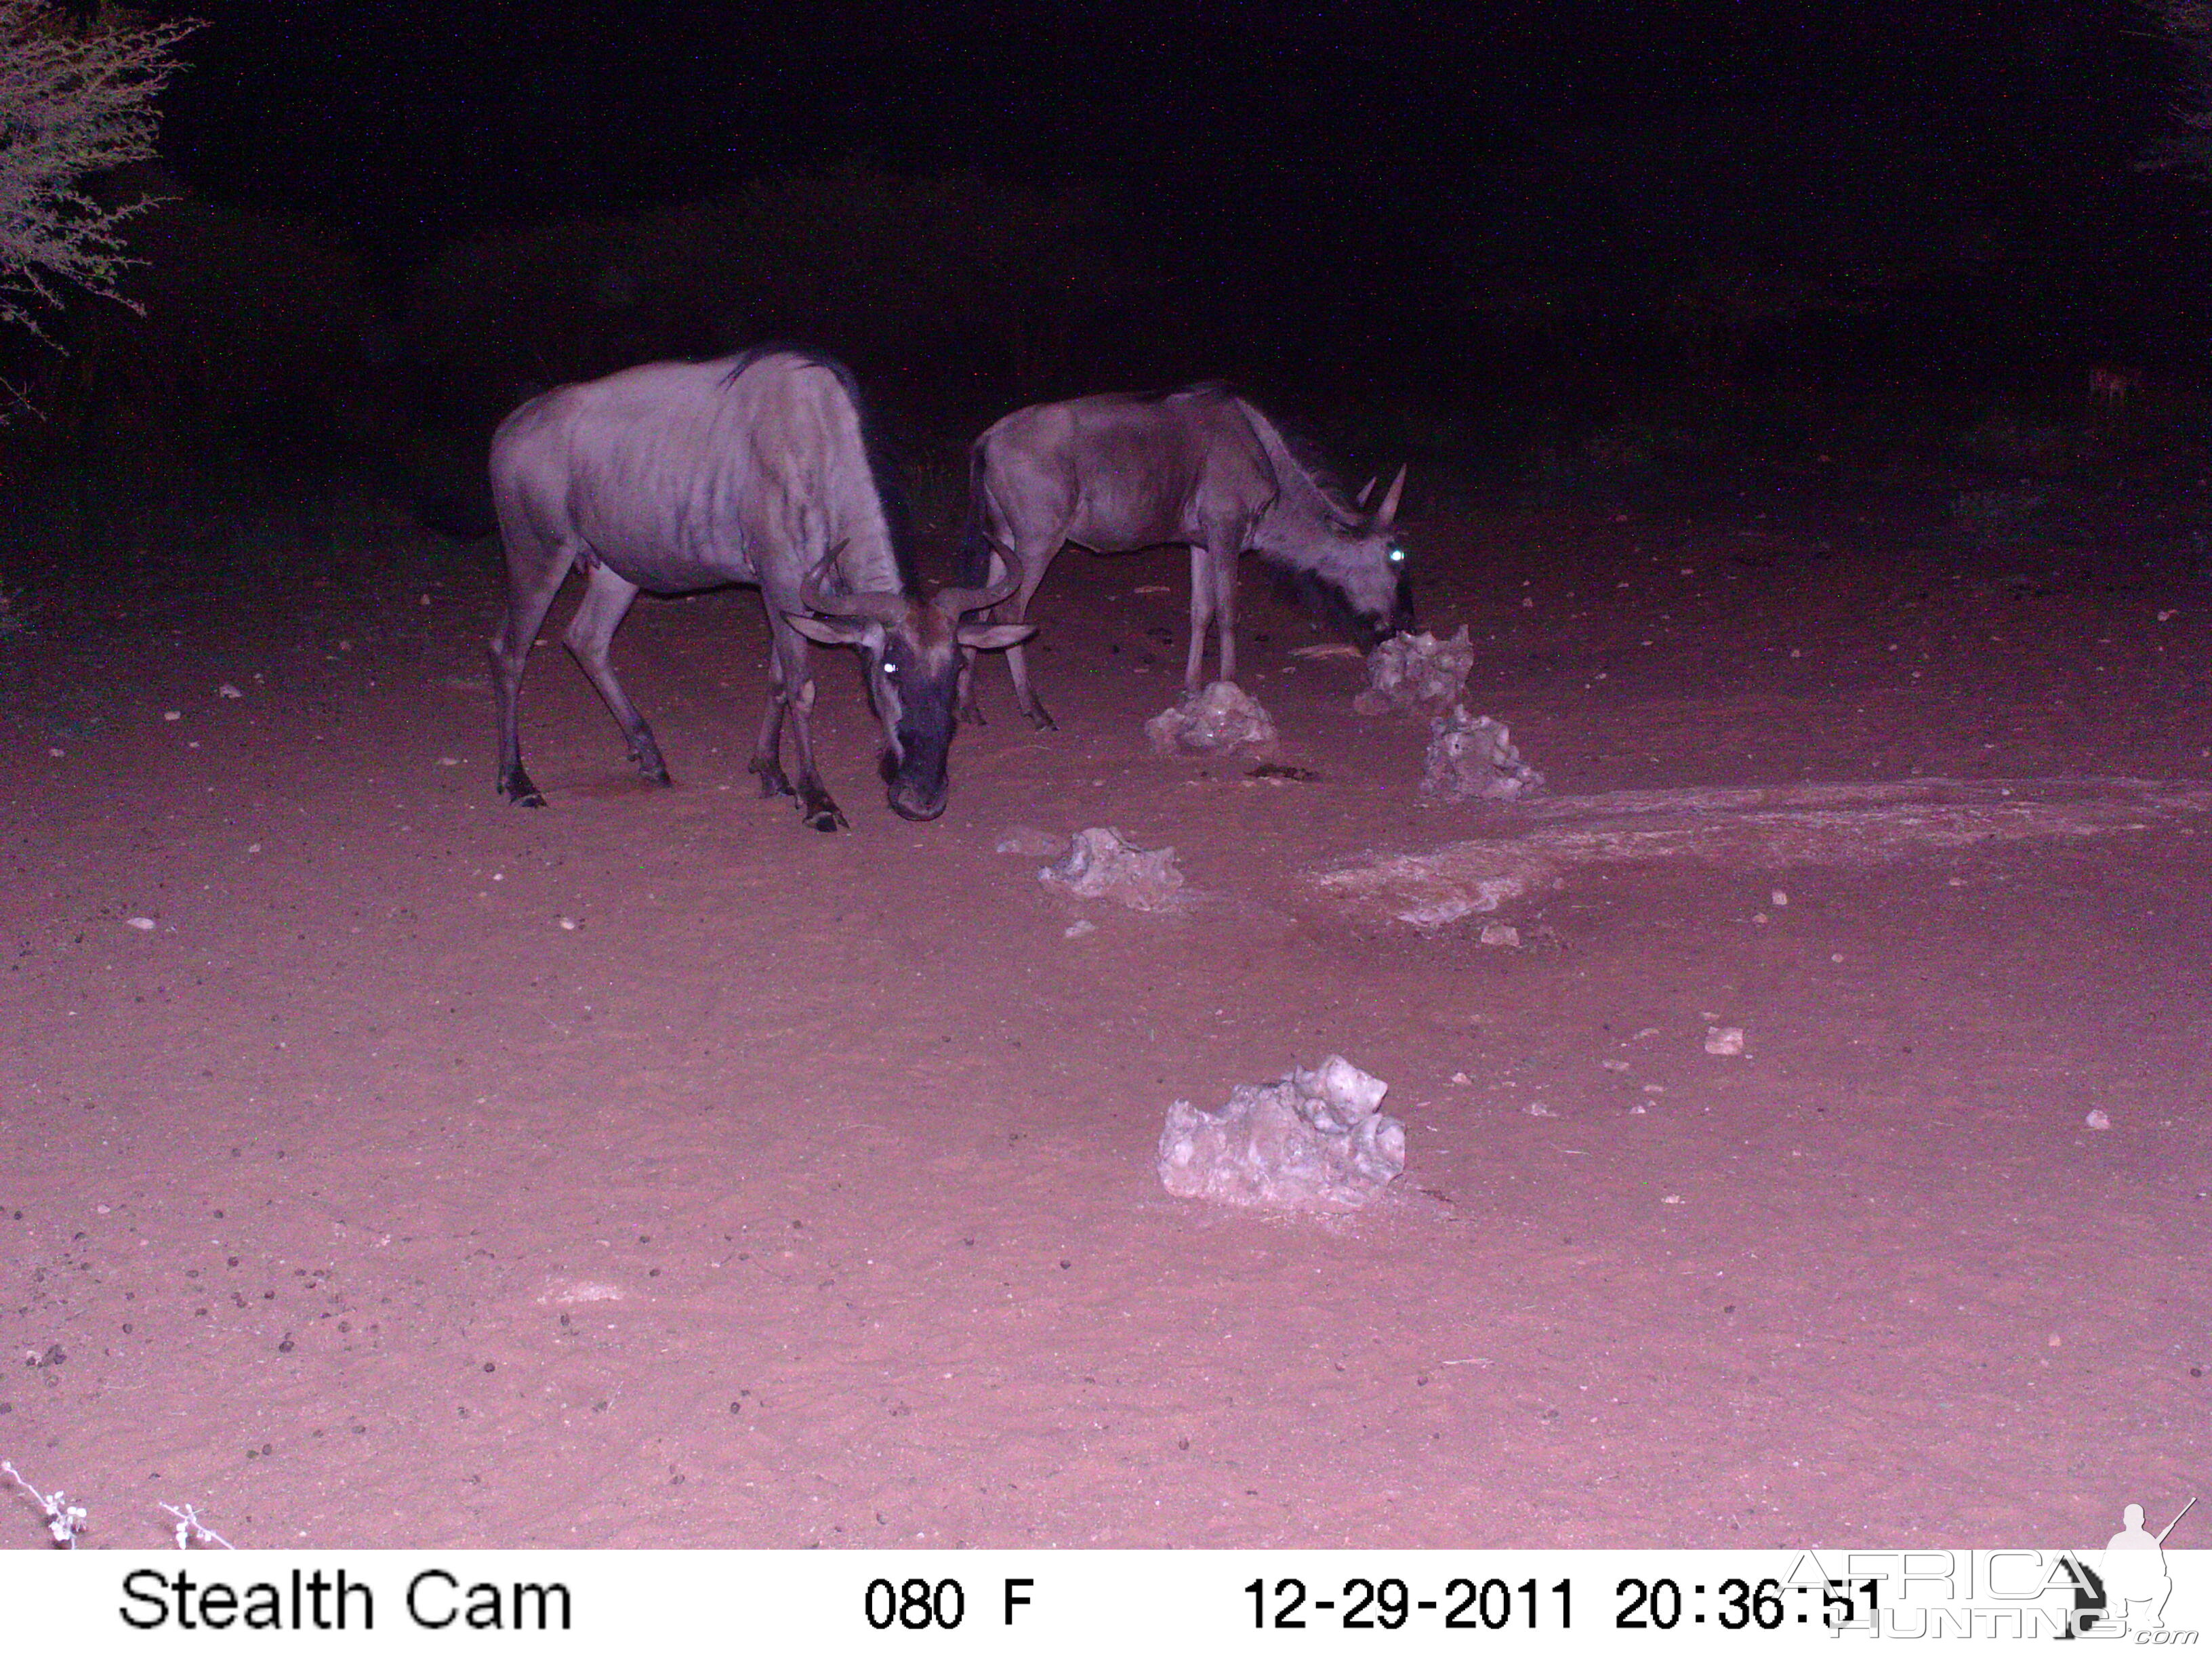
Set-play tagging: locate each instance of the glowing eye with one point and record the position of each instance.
(890, 668)
(1397, 555)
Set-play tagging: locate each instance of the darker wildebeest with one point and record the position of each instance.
(679, 477)
(1202, 467)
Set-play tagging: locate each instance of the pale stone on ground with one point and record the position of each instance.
(1415, 671)
(1218, 721)
(1472, 757)
(1101, 864)
(1316, 1140)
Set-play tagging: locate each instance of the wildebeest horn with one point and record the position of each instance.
(1366, 490)
(886, 608)
(957, 602)
(1388, 510)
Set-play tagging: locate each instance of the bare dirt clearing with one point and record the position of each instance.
(649, 1170)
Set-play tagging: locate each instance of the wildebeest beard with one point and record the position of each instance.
(1332, 608)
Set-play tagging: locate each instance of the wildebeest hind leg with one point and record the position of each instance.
(535, 573)
(606, 602)
(1035, 561)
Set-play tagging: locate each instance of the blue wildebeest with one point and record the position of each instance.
(1202, 468)
(759, 469)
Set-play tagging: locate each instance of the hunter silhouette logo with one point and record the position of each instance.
(2127, 1590)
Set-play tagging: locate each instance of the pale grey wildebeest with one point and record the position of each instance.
(1202, 468)
(760, 469)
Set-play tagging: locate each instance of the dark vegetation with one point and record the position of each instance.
(1723, 260)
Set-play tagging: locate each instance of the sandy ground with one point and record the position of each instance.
(802, 1191)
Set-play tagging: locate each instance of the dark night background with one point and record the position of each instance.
(1464, 232)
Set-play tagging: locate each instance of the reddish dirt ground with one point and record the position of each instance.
(802, 1193)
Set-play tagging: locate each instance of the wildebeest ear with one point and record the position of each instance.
(836, 630)
(996, 637)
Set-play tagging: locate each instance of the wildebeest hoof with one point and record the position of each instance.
(517, 788)
(657, 775)
(773, 782)
(826, 819)
(1040, 718)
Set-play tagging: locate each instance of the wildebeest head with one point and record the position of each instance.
(912, 649)
(1361, 564)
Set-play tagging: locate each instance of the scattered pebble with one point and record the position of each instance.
(2097, 1120)
(448, 760)
(1032, 843)
(569, 924)
(1537, 1109)
(1498, 932)
(253, 847)
(1724, 1039)
(56, 753)
(143, 924)
(1614, 1065)
(1078, 929)
(172, 714)
(1779, 899)
(1639, 1110)
(1672, 1198)
(227, 690)
(1463, 1079)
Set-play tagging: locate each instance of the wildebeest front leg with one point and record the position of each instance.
(791, 690)
(606, 602)
(1213, 604)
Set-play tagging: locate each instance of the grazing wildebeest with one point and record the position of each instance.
(757, 468)
(1202, 467)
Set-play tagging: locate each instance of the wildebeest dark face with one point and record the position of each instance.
(1363, 574)
(913, 669)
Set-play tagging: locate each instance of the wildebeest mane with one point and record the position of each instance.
(1311, 457)
(875, 442)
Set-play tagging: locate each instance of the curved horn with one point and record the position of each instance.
(886, 608)
(957, 602)
(1388, 510)
(1366, 490)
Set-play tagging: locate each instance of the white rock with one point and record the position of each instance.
(227, 690)
(1472, 757)
(1724, 1039)
(1101, 864)
(1218, 721)
(1316, 1140)
(2097, 1120)
(143, 924)
(1415, 671)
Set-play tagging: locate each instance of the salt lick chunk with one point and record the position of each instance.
(1318, 1140)
(1217, 721)
(1472, 757)
(1415, 671)
(1101, 864)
